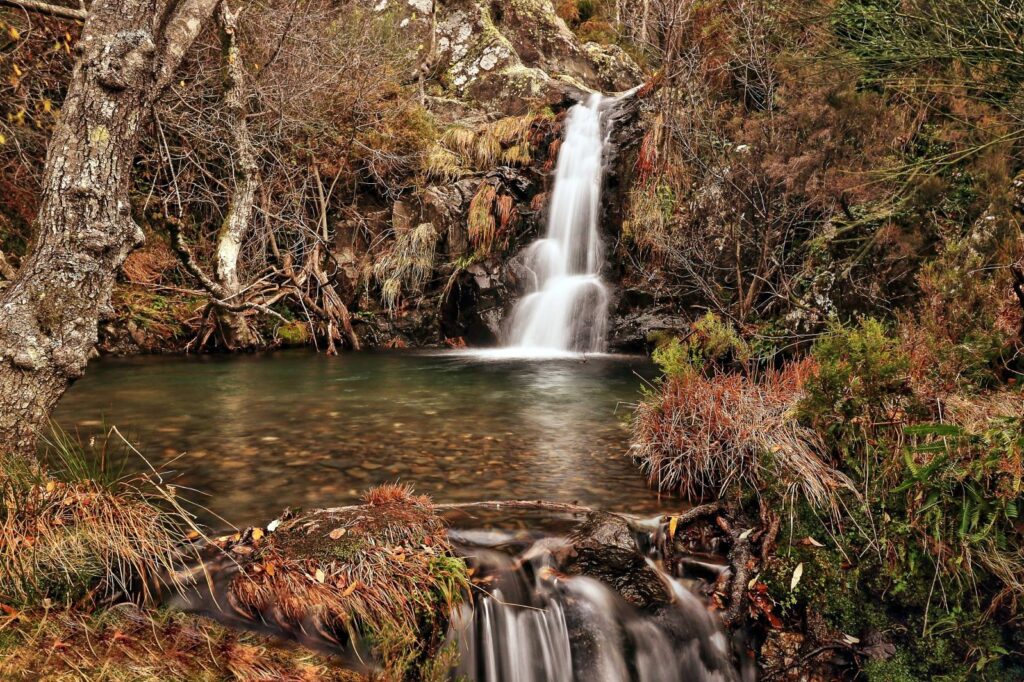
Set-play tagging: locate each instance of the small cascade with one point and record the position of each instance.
(536, 624)
(566, 308)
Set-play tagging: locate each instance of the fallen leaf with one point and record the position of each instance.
(320, 576)
(50, 486)
(746, 534)
(672, 523)
(257, 534)
(850, 639)
(797, 573)
(810, 542)
(337, 533)
(350, 589)
(269, 569)
(272, 526)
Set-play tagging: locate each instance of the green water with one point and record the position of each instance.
(257, 433)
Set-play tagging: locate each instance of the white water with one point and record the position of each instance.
(537, 624)
(566, 309)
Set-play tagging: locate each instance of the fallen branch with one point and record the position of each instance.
(47, 9)
(699, 512)
(563, 507)
(739, 559)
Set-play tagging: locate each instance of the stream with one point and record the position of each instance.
(255, 433)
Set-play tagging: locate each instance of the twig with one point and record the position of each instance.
(806, 657)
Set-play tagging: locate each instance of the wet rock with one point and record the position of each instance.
(605, 548)
(445, 207)
(402, 216)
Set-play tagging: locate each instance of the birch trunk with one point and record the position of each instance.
(235, 329)
(84, 230)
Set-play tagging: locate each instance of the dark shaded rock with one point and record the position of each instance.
(606, 549)
(639, 329)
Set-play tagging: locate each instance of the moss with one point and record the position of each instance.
(893, 670)
(293, 333)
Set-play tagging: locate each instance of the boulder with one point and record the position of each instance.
(605, 548)
(509, 56)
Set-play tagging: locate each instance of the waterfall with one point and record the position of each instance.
(566, 308)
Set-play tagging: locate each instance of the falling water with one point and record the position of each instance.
(537, 624)
(566, 309)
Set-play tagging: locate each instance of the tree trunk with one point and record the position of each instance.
(235, 329)
(128, 51)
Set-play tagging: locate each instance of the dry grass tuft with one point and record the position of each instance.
(381, 574)
(508, 141)
(149, 264)
(127, 643)
(441, 164)
(406, 267)
(69, 536)
(461, 139)
(702, 435)
(482, 225)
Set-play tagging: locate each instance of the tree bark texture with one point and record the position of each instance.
(128, 52)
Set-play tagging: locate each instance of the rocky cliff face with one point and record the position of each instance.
(498, 76)
(507, 56)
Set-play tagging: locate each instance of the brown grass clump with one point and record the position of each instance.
(68, 536)
(702, 435)
(482, 225)
(405, 268)
(127, 643)
(381, 575)
(149, 264)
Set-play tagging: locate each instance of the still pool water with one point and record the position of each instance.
(258, 433)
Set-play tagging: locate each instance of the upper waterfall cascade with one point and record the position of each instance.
(566, 309)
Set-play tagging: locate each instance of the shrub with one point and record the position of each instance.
(710, 340)
(860, 379)
(704, 435)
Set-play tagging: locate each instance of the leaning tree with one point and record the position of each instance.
(127, 55)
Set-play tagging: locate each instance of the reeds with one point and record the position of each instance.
(702, 435)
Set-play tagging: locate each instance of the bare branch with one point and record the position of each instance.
(47, 9)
